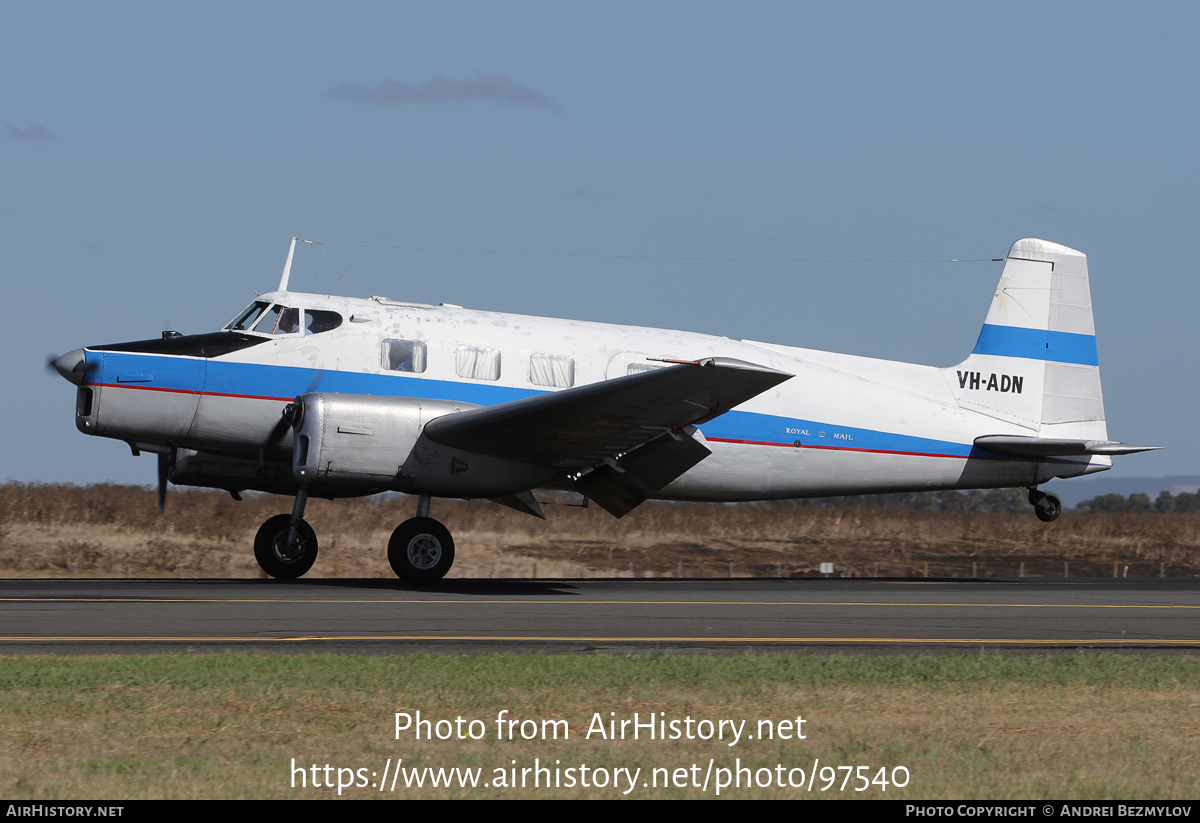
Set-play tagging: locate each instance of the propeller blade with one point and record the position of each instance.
(166, 462)
(291, 412)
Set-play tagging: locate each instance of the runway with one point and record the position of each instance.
(111, 616)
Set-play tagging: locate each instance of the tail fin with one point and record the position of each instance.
(1036, 363)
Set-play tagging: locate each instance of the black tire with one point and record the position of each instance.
(270, 548)
(421, 551)
(1047, 507)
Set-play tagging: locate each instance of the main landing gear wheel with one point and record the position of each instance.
(421, 551)
(271, 548)
(1047, 507)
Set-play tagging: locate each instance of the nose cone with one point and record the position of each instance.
(72, 365)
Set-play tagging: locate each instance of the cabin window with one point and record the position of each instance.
(552, 370)
(476, 363)
(404, 355)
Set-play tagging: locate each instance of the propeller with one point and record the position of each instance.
(73, 365)
(317, 379)
(292, 417)
(166, 465)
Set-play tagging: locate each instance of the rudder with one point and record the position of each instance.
(1035, 363)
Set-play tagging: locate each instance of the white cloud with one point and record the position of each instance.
(32, 131)
(441, 89)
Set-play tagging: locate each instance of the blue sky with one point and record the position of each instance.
(644, 159)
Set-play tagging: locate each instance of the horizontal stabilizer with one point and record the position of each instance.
(579, 428)
(1049, 447)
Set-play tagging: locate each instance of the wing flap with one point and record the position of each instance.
(623, 485)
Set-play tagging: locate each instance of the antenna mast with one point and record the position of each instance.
(287, 267)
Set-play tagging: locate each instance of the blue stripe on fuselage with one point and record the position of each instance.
(1038, 344)
(286, 382)
(768, 428)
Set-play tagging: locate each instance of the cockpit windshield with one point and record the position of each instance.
(246, 319)
(276, 319)
(271, 321)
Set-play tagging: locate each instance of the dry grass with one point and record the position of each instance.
(115, 531)
(229, 726)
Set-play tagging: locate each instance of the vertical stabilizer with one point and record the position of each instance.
(1036, 363)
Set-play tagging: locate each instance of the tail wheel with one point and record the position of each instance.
(273, 554)
(421, 551)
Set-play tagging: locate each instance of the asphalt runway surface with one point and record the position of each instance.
(617, 615)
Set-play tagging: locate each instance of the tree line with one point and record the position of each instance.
(1002, 501)
(1141, 503)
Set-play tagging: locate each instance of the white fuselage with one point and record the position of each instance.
(841, 425)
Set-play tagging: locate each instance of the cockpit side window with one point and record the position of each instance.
(318, 321)
(278, 319)
(269, 322)
(281, 320)
(289, 322)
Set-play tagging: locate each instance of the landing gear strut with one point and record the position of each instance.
(1047, 507)
(286, 546)
(276, 557)
(421, 549)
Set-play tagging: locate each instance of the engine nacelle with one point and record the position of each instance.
(358, 442)
(233, 474)
(347, 444)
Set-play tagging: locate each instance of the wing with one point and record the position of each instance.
(1018, 446)
(628, 431)
(577, 428)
